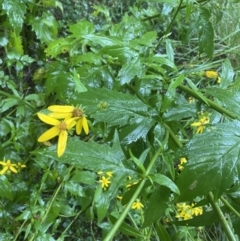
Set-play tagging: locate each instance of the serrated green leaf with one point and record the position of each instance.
(130, 69)
(81, 28)
(78, 84)
(213, 162)
(161, 60)
(120, 109)
(90, 155)
(15, 11)
(57, 47)
(45, 27)
(165, 181)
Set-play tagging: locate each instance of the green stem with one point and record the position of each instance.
(211, 103)
(135, 195)
(230, 207)
(222, 219)
(174, 17)
(171, 133)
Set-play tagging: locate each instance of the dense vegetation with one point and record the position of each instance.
(119, 120)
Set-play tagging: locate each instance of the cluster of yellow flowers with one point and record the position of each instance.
(63, 119)
(10, 167)
(185, 211)
(200, 124)
(105, 179)
(182, 161)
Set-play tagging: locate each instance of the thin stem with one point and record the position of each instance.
(135, 195)
(174, 17)
(222, 219)
(211, 103)
(230, 207)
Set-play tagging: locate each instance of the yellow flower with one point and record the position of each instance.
(20, 165)
(60, 128)
(182, 161)
(67, 111)
(201, 124)
(185, 211)
(137, 205)
(219, 80)
(104, 182)
(211, 74)
(191, 100)
(8, 166)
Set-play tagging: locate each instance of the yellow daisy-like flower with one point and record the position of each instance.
(201, 124)
(67, 111)
(137, 205)
(20, 165)
(211, 74)
(104, 182)
(8, 166)
(60, 128)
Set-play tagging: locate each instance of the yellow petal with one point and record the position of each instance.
(3, 163)
(13, 169)
(3, 170)
(198, 123)
(47, 119)
(85, 125)
(61, 108)
(62, 142)
(49, 134)
(70, 123)
(79, 126)
(61, 115)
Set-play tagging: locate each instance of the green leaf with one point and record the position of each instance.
(171, 92)
(8, 103)
(206, 32)
(130, 69)
(81, 28)
(227, 74)
(90, 155)
(85, 177)
(165, 181)
(162, 232)
(15, 11)
(120, 109)
(194, 87)
(158, 203)
(137, 163)
(121, 53)
(78, 84)
(58, 46)
(126, 229)
(169, 49)
(6, 189)
(229, 99)
(102, 40)
(45, 27)
(213, 162)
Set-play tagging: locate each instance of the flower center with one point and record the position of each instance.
(78, 113)
(62, 126)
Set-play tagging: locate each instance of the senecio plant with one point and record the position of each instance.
(118, 130)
